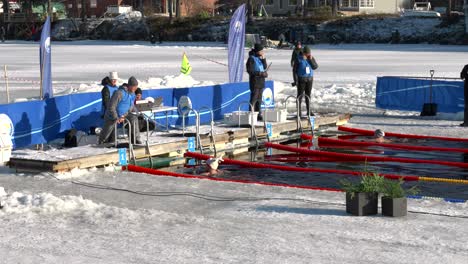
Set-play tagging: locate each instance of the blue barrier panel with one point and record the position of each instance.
(39, 122)
(408, 94)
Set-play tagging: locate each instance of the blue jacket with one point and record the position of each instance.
(304, 69)
(120, 104)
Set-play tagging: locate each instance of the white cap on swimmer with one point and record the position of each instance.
(379, 133)
(213, 163)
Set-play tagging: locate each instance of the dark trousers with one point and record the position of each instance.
(109, 125)
(294, 76)
(304, 87)
(465, 90)
(256, 98)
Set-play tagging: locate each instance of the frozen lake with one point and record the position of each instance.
(87, 62)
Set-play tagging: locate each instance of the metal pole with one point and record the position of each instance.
(6, 82)
(430, 88)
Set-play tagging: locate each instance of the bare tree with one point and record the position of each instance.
(83, 10)
(177, 8)
(334, 7)
(249, 12)
(6, 6)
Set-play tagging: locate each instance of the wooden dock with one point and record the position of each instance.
(165, 144)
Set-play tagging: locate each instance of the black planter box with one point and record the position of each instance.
(429, 109)
(362, 203)
(394, 206)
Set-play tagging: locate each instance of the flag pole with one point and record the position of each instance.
(7, 86)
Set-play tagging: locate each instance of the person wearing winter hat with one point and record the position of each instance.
(141, 118)
(257, 69)
(109, 84)
(212, 165)
(379, 136)
(296, 52)
(304, 67)
(122, 101)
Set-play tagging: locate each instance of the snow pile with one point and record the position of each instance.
(170, 81)
(333, 96)
(49, 204)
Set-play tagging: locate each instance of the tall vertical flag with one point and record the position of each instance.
(45, 62)
(236, 45)
(186, 68)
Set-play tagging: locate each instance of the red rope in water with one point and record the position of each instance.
(390, 134)
(332, 141)
(354, 157)
(298, 169)
(182, 175)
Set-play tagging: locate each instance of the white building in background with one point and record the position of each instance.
(285, 7)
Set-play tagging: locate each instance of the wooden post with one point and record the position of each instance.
(6, 82)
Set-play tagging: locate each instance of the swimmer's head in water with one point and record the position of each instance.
(379, 133)
(213, 163)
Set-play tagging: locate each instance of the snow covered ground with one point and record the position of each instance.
(47, 220)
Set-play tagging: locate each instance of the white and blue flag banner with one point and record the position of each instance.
(45, 62)
(236, 45)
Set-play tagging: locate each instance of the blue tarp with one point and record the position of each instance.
(410, 94)
(39, 122)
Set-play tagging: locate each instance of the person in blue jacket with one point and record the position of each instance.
(119, 109)
(109, 84)
(257, 68)
(304, 67)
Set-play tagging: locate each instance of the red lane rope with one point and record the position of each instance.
(188, 176)
(390, 134)
(354, 157)
(298, 169)
(386, 145)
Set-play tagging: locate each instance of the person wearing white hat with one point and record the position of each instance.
(212, 165)
(379, 136)
(110, 87)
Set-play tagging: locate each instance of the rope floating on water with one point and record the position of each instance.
(188, 176)
(330, 141)
(355, 157)
(365, 132)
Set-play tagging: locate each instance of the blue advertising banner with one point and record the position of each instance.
(236, 44)
(45, 62)
(408, 94)
(38, 122)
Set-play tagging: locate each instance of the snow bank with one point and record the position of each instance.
(170, 81)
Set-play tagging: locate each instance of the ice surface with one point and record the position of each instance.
(45, 220)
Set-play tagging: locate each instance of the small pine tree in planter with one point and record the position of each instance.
(394, 202)
(362, 197)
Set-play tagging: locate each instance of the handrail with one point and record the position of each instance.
(308, 110)
(253, 133)
(197, 127)
(298, 118)
(211, 126)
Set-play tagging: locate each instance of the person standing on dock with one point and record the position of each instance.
(110, 87)
(464, 76)
(118, 110)
(257, 68)
(304, 67)
(296, 52)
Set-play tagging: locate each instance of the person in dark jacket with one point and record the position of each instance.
(110, 87)
(257, 68)
(119, 109)
(141, 118)
(464, 76)
(296, 52)
(2, 33)
(304, 67)
(109, 84)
